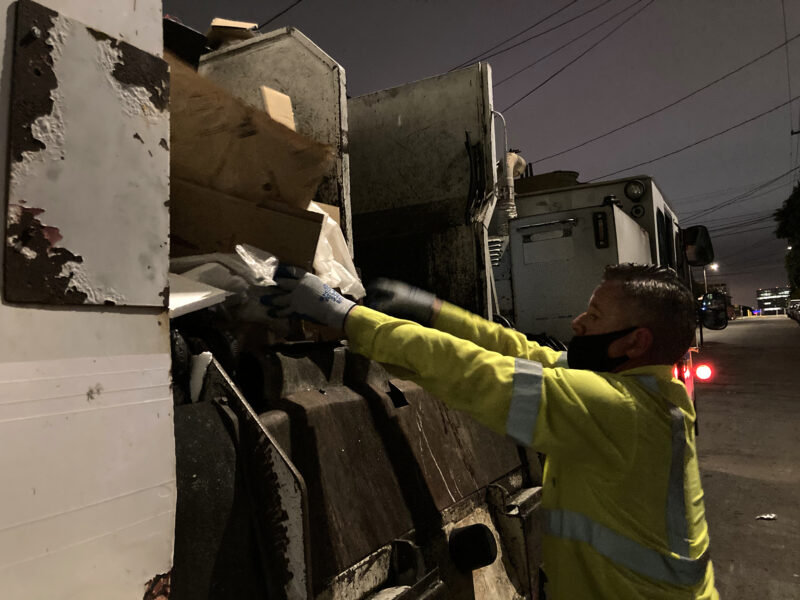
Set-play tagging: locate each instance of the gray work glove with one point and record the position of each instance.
(401, 300)
(299, 293)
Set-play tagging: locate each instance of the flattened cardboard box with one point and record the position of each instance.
(205, 221)
(222, 143)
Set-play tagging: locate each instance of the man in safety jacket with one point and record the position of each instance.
(623, 504)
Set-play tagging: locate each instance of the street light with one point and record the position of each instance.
(713, 267)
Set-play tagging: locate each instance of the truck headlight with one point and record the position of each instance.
(634, 190)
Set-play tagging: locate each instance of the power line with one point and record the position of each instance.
(739, 224)
(539, 22)
(671, 104)
(755, 214)
(572, 41)
(577, 58)
(709, 195)
(757, 259)
(533, 37)
(698, 142)
(792, 159)
(280, 14)
(750, 195)
(729, 257)
(719, 235)
(740, 197)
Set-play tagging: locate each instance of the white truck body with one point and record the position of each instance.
(564, 237)
(557, 259)
(87, 462)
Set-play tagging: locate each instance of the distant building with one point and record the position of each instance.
(718, 287)
(773, 301)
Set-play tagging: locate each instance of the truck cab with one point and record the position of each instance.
(564, 235)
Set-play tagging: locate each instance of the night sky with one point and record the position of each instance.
(648, 55)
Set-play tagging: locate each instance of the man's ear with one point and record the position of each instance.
(638, 342)
(634, 345)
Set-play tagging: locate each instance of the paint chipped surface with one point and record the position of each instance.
(141, 80)
(158, 588)
(39, 270)
(99, 232)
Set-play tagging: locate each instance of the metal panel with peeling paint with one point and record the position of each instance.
(87, 481)
(88, 144)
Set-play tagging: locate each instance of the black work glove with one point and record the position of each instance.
(401, 300)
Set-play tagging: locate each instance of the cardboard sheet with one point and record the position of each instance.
(205, 221)
(278, 106)
(222, 143)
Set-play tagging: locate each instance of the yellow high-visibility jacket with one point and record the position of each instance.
(622, 500)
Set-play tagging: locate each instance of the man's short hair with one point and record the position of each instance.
(662, 303)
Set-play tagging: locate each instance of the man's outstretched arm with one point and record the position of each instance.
(557, 411)
(407, 302)
(563, 412)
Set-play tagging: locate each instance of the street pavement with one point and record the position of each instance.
(749, 451)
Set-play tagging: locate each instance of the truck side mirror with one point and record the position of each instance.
(697, 246)
(714, 311)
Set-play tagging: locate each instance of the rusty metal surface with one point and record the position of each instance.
(158, 588)
(518, 518)
(215, 554)
(277, 491)
(422, 184)
(242, 505)
(380, 457)
(62, 175)
(356, 498)
(475, 440)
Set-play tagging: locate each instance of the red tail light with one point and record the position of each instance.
(703, 372)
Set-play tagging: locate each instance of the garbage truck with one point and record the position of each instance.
(158, 438)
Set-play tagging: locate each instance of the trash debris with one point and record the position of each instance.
(767, 517)
(261, 264)
(197, 282)
(225, 31)
(187, 295)
(239, 280)
(278, 106)
(249, 266)
(332, 262)
(200, 364)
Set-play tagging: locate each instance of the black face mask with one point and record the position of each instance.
(590, 352)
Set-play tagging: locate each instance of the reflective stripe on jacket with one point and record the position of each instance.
(624, 514)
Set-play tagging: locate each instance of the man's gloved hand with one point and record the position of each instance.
(401, 300)
(302, 294)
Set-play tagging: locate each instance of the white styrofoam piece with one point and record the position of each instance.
(200, 364)
(187, 295)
